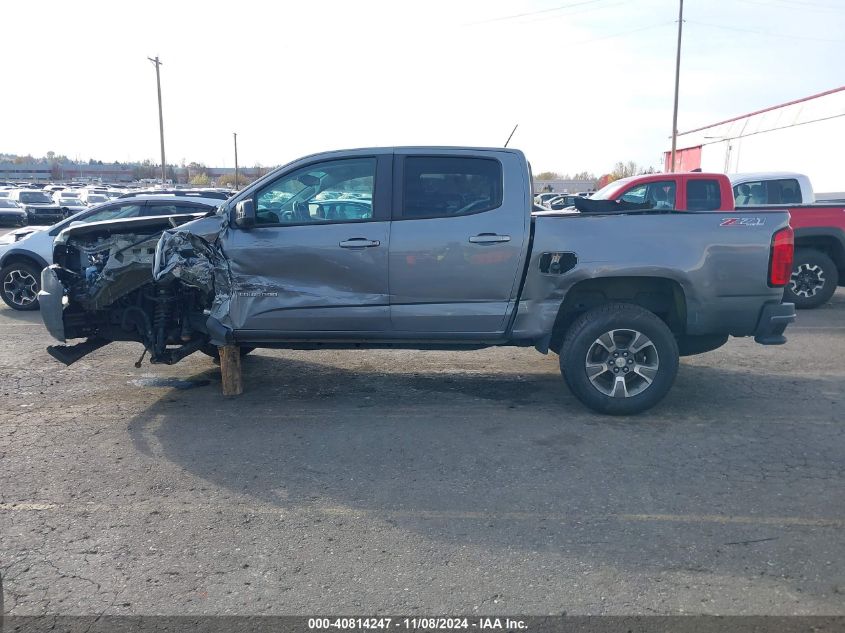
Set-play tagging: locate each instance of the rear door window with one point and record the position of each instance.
(445, 186)
(762, 192)
(703, 195)
(783, 191)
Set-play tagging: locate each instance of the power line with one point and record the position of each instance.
(781, 4)
(569, 14)
(812, 5)
(523, 15)
(766, 33)
(623, 33)
(775, 129)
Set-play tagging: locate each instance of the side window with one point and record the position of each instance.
(750, 193)
(173, 208)
(444, 186)
(115, 212)
(330, 192)
(635, 195)
(783, 191)
(660, 195)
(703, 195)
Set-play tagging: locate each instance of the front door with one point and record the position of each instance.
(457, 241)
(316, 261)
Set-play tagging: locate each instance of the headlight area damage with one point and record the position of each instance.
(160, 289)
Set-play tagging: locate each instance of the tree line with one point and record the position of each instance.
(620, 170)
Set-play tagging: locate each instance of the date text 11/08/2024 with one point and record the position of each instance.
(433, 623)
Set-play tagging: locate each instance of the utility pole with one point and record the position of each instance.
(677, 81)
(235, 134)
(157, 64)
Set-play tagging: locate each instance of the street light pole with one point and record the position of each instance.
(235, 134)
(157, 64)
(677, 81)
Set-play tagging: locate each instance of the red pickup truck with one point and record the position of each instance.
(819, 265)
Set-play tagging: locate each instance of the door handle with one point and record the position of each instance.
(489, 238)
(359, 242)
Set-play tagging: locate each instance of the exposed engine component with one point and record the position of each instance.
(157, 289)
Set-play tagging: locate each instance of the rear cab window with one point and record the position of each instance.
(446, 186)
(763, 192)
(703, 195)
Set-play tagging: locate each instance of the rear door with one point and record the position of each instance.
(458, 239)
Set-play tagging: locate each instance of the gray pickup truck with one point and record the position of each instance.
(427, 248)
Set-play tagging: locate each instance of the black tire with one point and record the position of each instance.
(19, 285)
(214, 352)
(648, 371)
(814, 279)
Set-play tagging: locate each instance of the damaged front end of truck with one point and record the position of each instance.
(162, 282)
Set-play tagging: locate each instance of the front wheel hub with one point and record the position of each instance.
(21, 287)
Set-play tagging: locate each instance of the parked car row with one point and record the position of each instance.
(28, 204)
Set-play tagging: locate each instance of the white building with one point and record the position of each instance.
(803, 136)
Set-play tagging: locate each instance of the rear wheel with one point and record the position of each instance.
(813, 281)
(619, 359)
(19, 285)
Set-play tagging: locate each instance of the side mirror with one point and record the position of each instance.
(245, 214)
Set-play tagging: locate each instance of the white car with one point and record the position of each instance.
(72, 205)
(65, 194)
(24, 253)
(95, 197)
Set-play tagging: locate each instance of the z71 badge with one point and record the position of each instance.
(743, 222)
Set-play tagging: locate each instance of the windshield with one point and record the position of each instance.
(98, 198)
(606, 192)
(5, 203)
(35, 197)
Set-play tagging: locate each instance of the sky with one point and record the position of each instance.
(589, 82)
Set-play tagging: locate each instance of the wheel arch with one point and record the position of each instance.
(663, 296)
(16, 256)
(830, 241)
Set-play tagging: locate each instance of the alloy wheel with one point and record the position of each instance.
(807, 280)
(622, 363)
(21, 287)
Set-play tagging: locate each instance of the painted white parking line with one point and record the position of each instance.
(487, 515)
